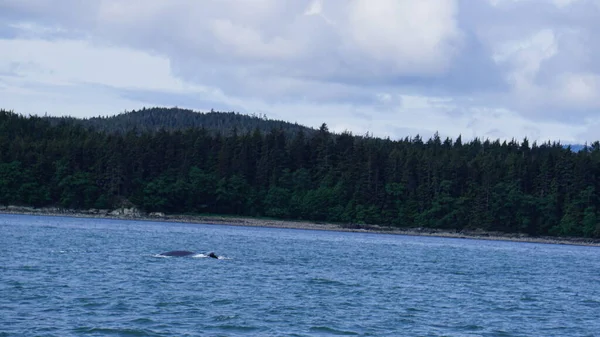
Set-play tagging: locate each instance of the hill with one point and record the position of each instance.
(575, 147)
(174, 119)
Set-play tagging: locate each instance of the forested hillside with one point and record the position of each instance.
(173, 119)
(440, 183)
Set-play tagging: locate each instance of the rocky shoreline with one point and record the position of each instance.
(134, 214)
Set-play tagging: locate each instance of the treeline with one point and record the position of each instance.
(439, 183)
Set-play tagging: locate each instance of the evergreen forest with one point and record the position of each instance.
(228, 163)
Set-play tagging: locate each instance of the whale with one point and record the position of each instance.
(186, 253)
(177, 253)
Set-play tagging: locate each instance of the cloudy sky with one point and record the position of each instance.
(479, 68)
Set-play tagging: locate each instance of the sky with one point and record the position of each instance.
(493, 69)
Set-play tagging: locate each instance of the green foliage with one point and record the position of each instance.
(277, 202)
(78, 191)
(11, 177)
(202, 190)
(232, 195)
(178, 161)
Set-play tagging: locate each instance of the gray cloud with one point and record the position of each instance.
(539, 75)
(8, 32)
(71, 14)
(534, 57)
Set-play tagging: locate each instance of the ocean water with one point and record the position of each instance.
(95, 277)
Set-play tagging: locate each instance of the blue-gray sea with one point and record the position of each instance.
(63, 276)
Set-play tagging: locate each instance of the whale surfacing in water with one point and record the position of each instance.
(186, 253)
(177, 253)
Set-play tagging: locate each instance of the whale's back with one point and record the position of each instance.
(177, 253)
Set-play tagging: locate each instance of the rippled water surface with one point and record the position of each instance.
(93, 277)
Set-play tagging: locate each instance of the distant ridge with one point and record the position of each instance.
(574, 147)
(176, 119)
(157, 119)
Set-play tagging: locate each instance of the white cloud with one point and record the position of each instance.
(524, 58)
(246, 42)
(558, 3)
(558, 91)
(75, 77)
(405, 37)
(579, 89)
(75, 62)
(315, 8)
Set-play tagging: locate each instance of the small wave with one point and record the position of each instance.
(49, 227)
(202, 256)
(237, 328)
(223, 318)
(16, 284)
(115, 331)
(161, 256)
(326, 281)
(528, 298)
(591, 303)
(472, 327)
(225, 301)
(142, 320)
(332, 331)
(28, 268)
